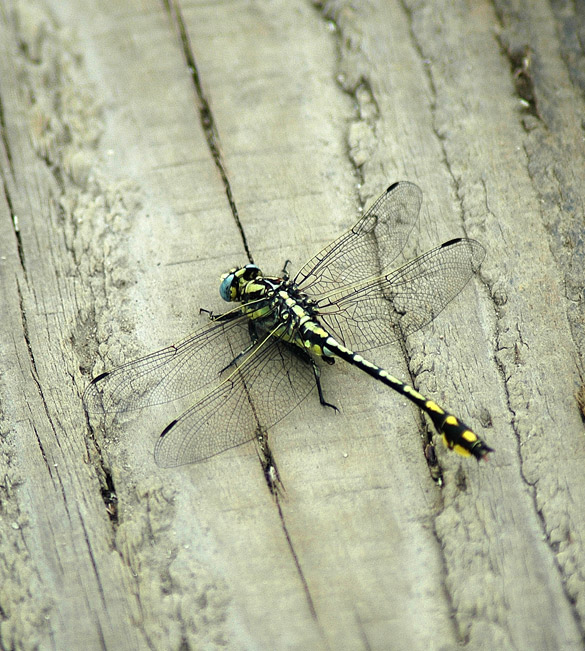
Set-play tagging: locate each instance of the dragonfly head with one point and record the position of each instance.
(233, 282)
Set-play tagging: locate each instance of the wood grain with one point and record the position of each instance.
(149, 146)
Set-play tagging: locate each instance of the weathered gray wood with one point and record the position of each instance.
(116, 226)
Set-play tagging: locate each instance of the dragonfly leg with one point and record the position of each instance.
(253, 341)
(317, 375)
(285, 274)
(227, 316)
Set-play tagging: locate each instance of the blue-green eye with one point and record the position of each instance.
(225, 289)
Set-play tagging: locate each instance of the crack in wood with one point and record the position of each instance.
(15, 226)
(295, 557)
(206, 116)
(4, 136)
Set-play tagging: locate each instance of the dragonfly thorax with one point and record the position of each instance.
(276, 305)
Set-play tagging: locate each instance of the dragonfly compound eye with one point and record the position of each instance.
(228, 286)
(233, 281)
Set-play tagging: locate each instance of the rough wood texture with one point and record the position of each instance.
(133, 134)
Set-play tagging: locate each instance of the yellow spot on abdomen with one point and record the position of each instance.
(469, 436)
(456, 448)
(413, 392)
(431, 405)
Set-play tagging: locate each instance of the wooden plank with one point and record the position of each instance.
(133, 134)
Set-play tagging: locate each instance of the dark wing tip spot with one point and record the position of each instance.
(101, 376)
(391, 187)
(451, 242)
(168, 428)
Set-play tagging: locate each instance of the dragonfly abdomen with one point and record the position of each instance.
(456, 435)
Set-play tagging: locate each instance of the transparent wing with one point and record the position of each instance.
(265, 387)
(369, 247)
(170, 373)
(395, 305)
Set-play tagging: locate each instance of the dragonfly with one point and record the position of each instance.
(251, 366)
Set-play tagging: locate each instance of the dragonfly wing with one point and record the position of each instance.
(368, 247)
(264, 388)
(404, 300)
(170, 373)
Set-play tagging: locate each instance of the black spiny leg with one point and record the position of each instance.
(317, 374)
(285, 274)
(227, 316)
(253, 341)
